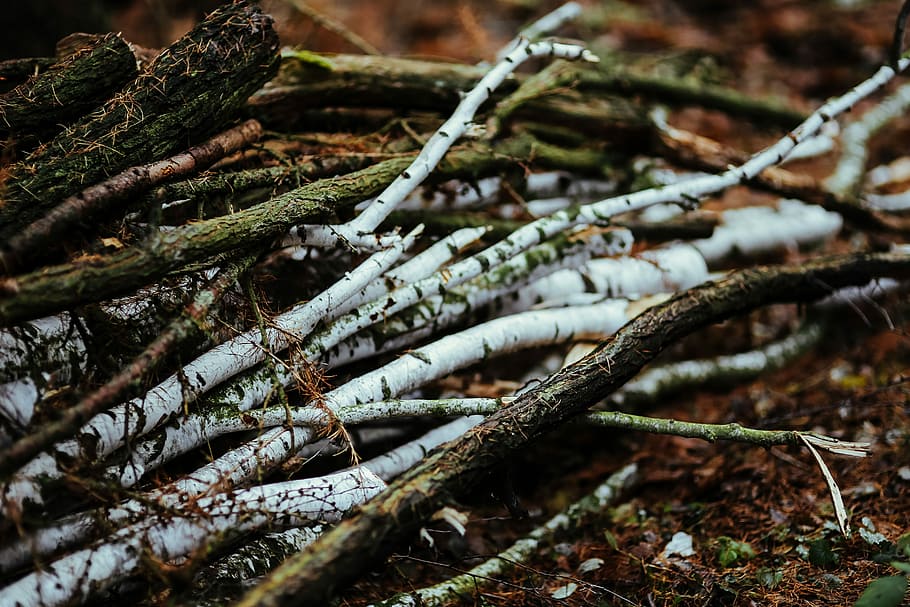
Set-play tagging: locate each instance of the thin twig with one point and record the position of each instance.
(334, 26)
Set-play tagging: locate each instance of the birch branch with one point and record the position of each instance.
(79, 575)
(40, 344)
(217, 584)
(847, 177)
(485, 574)
(59, 287)
(404, 457)
(76, 529)
(106, 432)
(456, 126)
(411, 370)
(548, 23)
(253, 390)
(653, 385)
(754, 231)
(69, 421)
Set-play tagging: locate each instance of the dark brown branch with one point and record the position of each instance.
(25, 247)
(339, 556)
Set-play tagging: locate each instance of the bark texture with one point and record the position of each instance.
(188, 93)
(75, 85)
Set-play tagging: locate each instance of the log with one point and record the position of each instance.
(78, 83)
(186, 95)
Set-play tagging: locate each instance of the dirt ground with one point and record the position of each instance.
(761, 521)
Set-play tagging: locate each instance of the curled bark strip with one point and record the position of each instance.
(341, 554)
(82, 207)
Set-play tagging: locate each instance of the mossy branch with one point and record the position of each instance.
(75, 85)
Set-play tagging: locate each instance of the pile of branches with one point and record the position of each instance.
(224, 262)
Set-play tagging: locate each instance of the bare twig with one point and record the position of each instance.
(334, 26)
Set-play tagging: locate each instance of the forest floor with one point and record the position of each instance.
(761, 521)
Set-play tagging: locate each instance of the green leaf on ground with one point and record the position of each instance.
(884, 592)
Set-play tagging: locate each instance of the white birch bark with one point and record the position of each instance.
(752, 231)
(400, 459)
(45, 343)
(406, 373)
(655, 383)
(77, 576)
(497, 287)
(107, 431)
(457, 195)
(328, 236)
(847, 177)
(547, 23)
(250, 561)
(897, 171)
(250, 391)
(418, 267)
(493, 338)
(890, 203)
